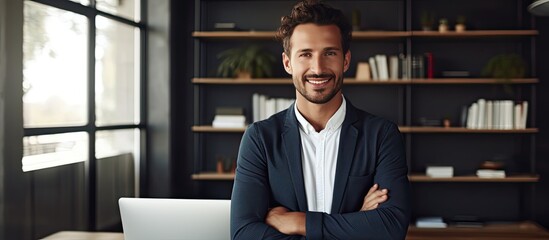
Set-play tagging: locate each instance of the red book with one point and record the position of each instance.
(430, 67)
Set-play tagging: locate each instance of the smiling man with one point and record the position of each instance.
(322, 169)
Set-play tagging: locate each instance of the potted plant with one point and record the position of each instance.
(460, 23)
(245, 62)
(505, 67)
(427, 20)
(443, 25)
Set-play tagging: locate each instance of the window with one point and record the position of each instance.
(82, 86)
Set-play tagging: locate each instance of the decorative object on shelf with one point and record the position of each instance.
(446, 122)
(245, 62)
(355, 19)
(443, 25)
(504, 67)
(225, 26)
(439, 171)
(225, 165)
(460, 23)
(427, 20)
(431, 222)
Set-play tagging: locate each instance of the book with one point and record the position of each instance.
(404, 71)
(383, 69)
(490, 173)
(373, 67)
(393, 67)
(429, 68)
(431, 222)
(229, 121)
(363, 72)
(440, 171)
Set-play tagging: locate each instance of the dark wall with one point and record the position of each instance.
(182, 25)
(542, 188)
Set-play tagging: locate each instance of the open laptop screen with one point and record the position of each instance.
(167, 219)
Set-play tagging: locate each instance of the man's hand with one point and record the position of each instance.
(374, 197)
(289, 223)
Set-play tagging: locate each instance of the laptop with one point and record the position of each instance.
(171, 219)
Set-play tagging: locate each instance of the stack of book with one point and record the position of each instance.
(431, 222)
(495, 114)
(383, 68)
(229, 118)
(440, 171)
(491, 169)
(264, 106)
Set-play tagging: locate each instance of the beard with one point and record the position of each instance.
(321, 95)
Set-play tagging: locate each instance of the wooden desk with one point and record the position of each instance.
(523, 230)
(79, 235)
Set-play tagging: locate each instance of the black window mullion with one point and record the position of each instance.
(91, 164)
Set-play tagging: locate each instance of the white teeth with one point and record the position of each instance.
(318, 82)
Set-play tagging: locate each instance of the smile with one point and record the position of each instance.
(318, 82)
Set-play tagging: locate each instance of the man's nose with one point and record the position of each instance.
(317, 65)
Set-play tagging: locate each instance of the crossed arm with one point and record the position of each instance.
(293, 223)
(383, 215)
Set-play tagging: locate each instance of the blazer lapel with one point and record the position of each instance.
(292, 143)
(347, 143)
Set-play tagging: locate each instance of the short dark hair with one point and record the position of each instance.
(311, 11)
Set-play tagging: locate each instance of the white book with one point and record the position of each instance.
(489, 115)
(230, 118)
(431, 222)
(481, 113)
(270, 107)
(255, 106)
(469, 123)
(473, 117)
(508, 114)
(497, 115)
(217, 124)
(393, 67)
(489, 173)
(262, 106)
(524, 115)
(440, 171)
(373, 67)
(516, 117)
(383, 69)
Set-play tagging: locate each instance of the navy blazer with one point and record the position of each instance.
(269, 174)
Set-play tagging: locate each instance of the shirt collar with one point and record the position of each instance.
(333, 123)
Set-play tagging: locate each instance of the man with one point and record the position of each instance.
(321, 169)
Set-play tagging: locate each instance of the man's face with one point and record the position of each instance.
(316, 61)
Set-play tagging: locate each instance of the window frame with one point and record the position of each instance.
(90, 12)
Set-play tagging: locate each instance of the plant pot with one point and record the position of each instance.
(460, 27)
(244, 75)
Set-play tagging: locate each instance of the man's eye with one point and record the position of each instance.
(305, 55)
(331, 53)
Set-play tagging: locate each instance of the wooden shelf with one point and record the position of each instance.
(476, 33)
(217, 130)
(235, 34)
(403, 129)
(412, 178)
(490, 231)
(353, 81)
(213, 176)
(371, 34)
(509, 179)
(462, 130)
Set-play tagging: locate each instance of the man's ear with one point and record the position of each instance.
(286, 63)
(347, 61)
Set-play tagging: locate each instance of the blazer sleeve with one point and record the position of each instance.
(251, 192)
(390, 220)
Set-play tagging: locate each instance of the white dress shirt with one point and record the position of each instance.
(319, 155)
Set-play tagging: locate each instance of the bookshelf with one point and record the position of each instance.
(393, 29)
